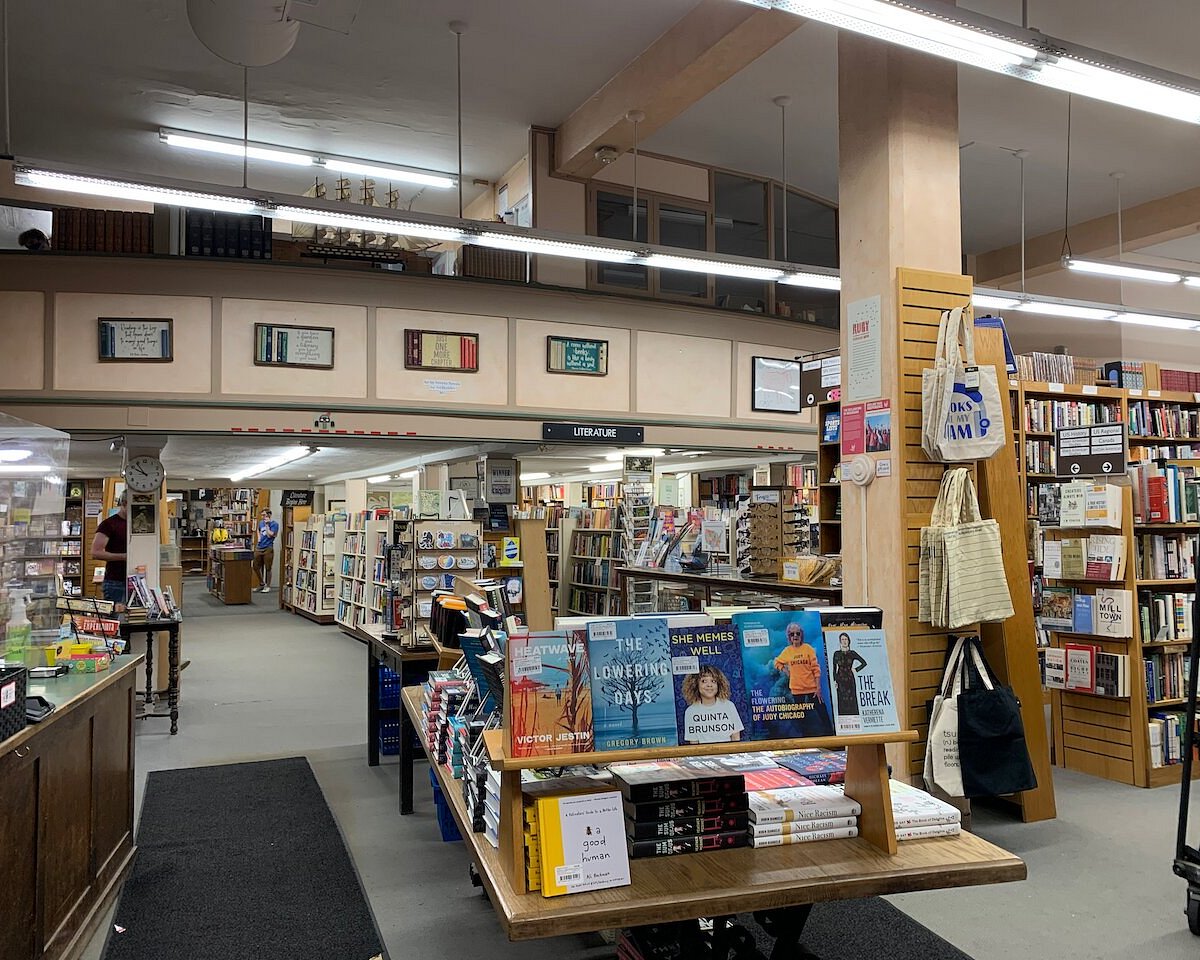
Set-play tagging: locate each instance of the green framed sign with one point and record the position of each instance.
(572, 355)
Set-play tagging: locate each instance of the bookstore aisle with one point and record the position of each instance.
(262, 687)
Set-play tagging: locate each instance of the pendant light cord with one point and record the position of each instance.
(783, 172)
(635, 181)
(7, 80)
(245, 124)
(1066, 244)
(458, 71)
(1021, 160)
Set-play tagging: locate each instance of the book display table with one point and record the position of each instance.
(720, 883)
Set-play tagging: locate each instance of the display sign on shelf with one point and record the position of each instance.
(1095, 451)
(820, 380)
(502, 480)
(593, 432)
(297, 498)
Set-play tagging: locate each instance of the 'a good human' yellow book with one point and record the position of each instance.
(581, 841)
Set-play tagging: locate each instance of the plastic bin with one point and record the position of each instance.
(444, 817)
(389, 689)
(389, 738)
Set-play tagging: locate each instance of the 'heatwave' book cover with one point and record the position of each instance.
(633, 699)
(783, 658)
(861, 679)
(550, 700)
(710, 695)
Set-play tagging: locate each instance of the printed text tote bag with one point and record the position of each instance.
(961, 417)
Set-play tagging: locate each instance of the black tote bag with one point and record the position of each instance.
(991, 736)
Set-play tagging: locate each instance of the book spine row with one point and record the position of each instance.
(102, 231)
(1185, 381)
(1166, 676)
(1166, 617)
(1169, 421)
(228, 235)
(1166, 557)
(1044, 416)
(1040, 456)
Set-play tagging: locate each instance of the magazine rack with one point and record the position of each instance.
(866, 782)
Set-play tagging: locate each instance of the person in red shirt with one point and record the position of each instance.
(802, 666)
(109, 546)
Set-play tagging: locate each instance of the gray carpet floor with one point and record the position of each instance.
(264, 684)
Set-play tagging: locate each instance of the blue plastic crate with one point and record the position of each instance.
(389, 737)
(444, 817)
(389, 689)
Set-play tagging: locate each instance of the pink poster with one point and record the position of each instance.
(853, 430)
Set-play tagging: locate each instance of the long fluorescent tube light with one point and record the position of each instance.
(124, 190)
(382, 478)
(286, 456)
(20, 469)
(604, 467)
(536, 475)
(971, 38)
(1124, 271)
(1153, 320)
(226, 146)
(554, 248)
(993, 303)
(408, 475)
(817, 281)
(14, 456)
(619, 455)
(350, 221)
(718, 268)
(1069, 310)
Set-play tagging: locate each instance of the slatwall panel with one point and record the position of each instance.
(922, 296)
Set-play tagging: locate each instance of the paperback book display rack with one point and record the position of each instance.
(362, 580)
(442, 550)
(314, 576)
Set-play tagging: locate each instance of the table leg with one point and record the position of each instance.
(173, 678)
(407, 732)
(786, 925)
(372, 708)
(149, 667)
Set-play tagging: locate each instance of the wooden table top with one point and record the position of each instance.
(373, 633)
(728, 881)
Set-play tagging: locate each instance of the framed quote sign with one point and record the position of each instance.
(141, 340)
(439, 350)
(281, 345)
(572, 355)
(775, 385)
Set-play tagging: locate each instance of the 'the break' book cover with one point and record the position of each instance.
(783, 658)
(710, 694)
(633, 701)
(550, 700)
(863, 700)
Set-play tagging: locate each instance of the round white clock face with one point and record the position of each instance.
(144, 474)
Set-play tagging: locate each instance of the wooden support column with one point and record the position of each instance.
(899, 207)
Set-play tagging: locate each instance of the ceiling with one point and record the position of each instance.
(208, 458)
(386, 92)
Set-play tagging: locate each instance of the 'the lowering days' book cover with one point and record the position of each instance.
(710, 694)
(633, 701)
(550, 700)
(783, 658)
(863, 701)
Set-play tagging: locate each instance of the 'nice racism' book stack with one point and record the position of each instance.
(656, 682)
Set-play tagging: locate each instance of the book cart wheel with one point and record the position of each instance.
(1193, 909)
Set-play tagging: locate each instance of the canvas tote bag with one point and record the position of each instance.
(931, 569)
(961, 417)
(993, 756)
(977, 589)
(943, 766)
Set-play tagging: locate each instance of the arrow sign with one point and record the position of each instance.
(1098, 450)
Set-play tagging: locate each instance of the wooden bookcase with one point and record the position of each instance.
(314, 571)
(535, 578)
(558, 560)
(427, 563)
(361, 572)
(594, 587)
(293, 517)
(829, 487)
(229, 576)
(73, 540)
(1104, 736)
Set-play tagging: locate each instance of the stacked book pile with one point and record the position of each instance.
(538, 799)
(442, 693)
(802, 815)
(918, 815)
(681, 806)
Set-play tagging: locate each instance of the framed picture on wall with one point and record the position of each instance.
(441, 350)
(148, 340)
(577, 356)
(775, 385)
(284, 345)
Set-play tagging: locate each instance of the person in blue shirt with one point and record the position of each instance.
(264, 549)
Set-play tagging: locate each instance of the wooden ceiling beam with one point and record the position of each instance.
(694, 57)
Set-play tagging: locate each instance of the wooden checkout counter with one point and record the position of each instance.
(66, 813)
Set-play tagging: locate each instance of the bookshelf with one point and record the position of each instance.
(293, 517)
(229, 574)
(314, 570)
(362, 573)
(829, 487)
(93, 495)
(442, 550)
(71, 548)
(232, 508)
(1101, 735)
(596, 553)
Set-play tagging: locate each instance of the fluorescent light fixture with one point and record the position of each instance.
(1154, 320)
(553, 248)
(407, 228)
(382, 478)
(229, 147)
(619, 455)
(1069, 310)
(285, 456)
(408, 475)
(126, 190)
(21, 469)
(603, 467)
(975, 39)
(536, 475)
(14, 456)
(1191, 281)
(389, 173)
(1124, 271)
(993, 303)
(817, 281)
(720, 268)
